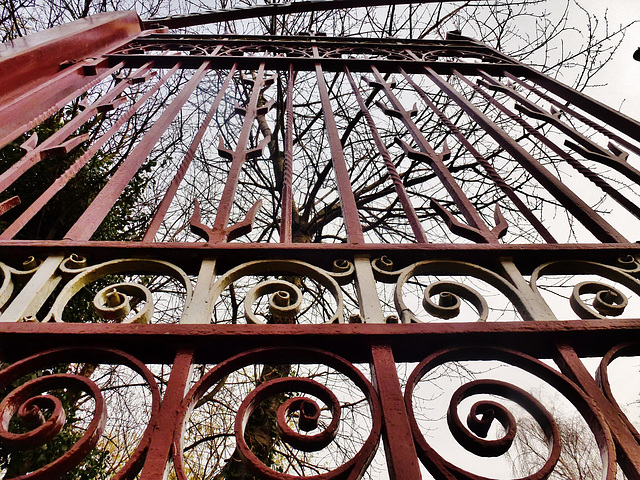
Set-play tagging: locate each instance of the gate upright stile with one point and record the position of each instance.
(48, 70)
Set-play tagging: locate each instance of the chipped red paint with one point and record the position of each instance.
(45, 72)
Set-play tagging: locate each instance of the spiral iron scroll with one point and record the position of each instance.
(484, 412)
(113, 302)
(450, 293)
(286, 298)
(608, 301)
(31, 398)
(308, 409)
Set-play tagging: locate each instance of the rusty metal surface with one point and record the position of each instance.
(198, 311)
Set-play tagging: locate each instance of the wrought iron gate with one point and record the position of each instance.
(466, 185)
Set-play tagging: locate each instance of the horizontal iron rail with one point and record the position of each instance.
(301, 41)
(309, 63)
(188, 255)
(410, 342)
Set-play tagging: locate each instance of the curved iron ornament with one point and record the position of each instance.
(608, 300)
(352, 468)
(112, 302)
(602, 377)
(451, 292)
(29, 399)
(282, 289)
(491, 410)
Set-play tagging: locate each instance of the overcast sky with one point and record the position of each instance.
(623, 73)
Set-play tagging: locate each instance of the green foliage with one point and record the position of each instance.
(57, 217)
(16, 463)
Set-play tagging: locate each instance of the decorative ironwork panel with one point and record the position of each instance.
(306, 217)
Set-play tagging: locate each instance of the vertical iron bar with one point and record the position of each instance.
(33, 157)
(412, 216)
(532, 109)
(345, 191)
(156, 463)
(287, 192)
(93, 216)
(600, 228)
(59, 82)
(599, 110)
(239, 157)
(182, 169)
(495, 176)
(402, 459)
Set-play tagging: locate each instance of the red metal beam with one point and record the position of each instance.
(28, 64)
(410, 342)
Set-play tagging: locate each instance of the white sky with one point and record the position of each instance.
(623, 73)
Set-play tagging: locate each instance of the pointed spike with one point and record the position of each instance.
(246, 225)
(388, 110)
(257, 152)
(537, 114)
(270, 80)
(246, 79)
(240, 109)
(196, 225)
(411, 152)
(30, 143)
(618, 152)
(369, 81)
(414, 110)
(264, 109)
(64, 147)
(9, 203)
(106, 107)
(446, 151)
(224, 152)
(456, 226)
(500, 230)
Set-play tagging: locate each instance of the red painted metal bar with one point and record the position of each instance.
(182, 170)
(402, 460)
(347, 200)
(155, 343)
(627, 446)
(35, 155)
(495, 176)
(63, 179)
(570, 111)
(16, 118)
(238, 158)
(479, 230)
(599, 110)
(287, 181)
(572, 202)
(410, 212)
(93, 216)
(155, 464)
(32, 82)
(534, 132)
